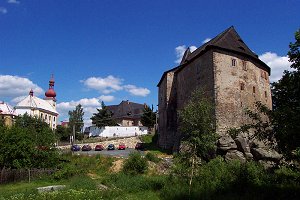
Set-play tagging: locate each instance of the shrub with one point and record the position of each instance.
(135, 164)
(152, 157)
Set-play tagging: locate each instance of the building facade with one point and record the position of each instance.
(44, 109)
(228, 72)
(7, 114)
(127, 113)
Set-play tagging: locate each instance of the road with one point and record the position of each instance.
(114, 153)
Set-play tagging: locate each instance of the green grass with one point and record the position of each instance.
(150, 142)
(213, 180)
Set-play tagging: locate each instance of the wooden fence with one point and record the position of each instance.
(15, 175)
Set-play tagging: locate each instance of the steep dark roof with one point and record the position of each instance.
(229, 40)
(185, 56)
(126, 109)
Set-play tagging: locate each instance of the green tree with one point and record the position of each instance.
(76, 120)
(286, 102)
(28, 143)
(148, 118)
(197, 126)
(62, 133)
(103, 117)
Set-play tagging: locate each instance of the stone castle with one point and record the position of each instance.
(227, 71)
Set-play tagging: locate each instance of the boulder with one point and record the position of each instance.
(249, 156)
(50, 188)
(265, 154)
(242, 144)
(235, 155)
(226, 143)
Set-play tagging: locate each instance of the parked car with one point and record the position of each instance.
(75, 147)
(111, 147)
(99, 147)
(86, 148)
(140, 146)
(122, 146)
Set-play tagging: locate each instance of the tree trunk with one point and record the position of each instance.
(192, 172)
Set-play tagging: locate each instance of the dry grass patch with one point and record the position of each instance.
(117, 165)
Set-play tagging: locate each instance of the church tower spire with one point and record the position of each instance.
(51, 94)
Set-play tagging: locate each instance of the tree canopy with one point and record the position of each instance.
(148, 118)
(286, 102)
(197, 125)
(76, 118)
(28, 143)
(103, 117)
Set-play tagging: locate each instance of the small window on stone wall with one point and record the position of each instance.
(233, 62)
(244, 64)
(253, 89)
(242, 86)
(265, 75)
(266, 95)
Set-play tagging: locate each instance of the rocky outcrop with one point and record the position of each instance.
(265, 154)
(241, 148)
(242, 144)
(226, 143)
(235, 155)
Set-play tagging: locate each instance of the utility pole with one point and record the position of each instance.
(73, 141)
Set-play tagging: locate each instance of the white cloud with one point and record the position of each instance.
(107, 98)
(206, 40)
(137, 91)
(104, 85)
(89, 106)
(179, 51)
(111, 84)
(3, 10)
(13, 1)
(15, 86)
(277, 64)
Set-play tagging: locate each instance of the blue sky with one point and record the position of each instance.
(117, 50)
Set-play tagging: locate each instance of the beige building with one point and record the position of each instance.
(7, 114)
(230, 74)
(42, 108)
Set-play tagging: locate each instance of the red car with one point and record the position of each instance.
(99, 147)
(122, 147)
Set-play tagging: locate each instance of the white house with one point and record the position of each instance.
(117, 131)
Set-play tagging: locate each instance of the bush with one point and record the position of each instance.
(135, 164)
(152, 157)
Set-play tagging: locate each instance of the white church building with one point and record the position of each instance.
(44, 109)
